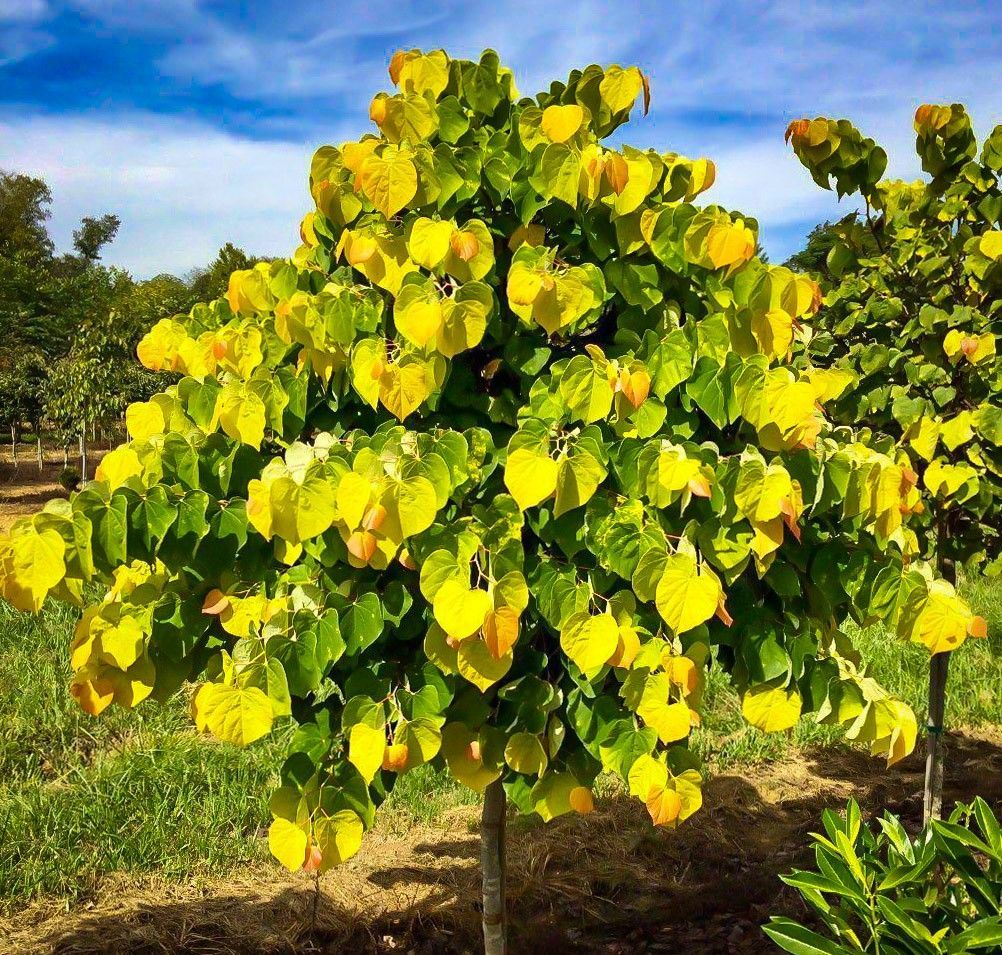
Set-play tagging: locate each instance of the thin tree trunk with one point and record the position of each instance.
(13, 443)
(939, 665)
(41, 462)
(83, 453)
(66, 456)
(492, 868)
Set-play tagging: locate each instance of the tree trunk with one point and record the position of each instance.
(66, 456)
(83, 453)
(492, 868)
(13, 443)
(939, 664)
(41, 462)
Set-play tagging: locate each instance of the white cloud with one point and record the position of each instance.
(22, 10)
(181, 188)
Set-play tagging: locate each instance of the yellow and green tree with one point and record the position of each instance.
(487, 475)
(910, 316)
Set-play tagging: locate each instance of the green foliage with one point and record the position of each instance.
(911, 308)
(881, 891)
(609, 475)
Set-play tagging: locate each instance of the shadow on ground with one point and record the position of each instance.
(606, 882)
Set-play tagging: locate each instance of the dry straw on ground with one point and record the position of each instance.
(607, 882)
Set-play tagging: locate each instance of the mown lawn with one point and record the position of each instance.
(139, 792)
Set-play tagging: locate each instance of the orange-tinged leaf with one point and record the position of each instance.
(978, 627)
(215, 603)
(616, 171)
(362, 545)
(464, 244)
(500, 631)
(636, 387)
(664, 806)
(581, 800)
(395, 757)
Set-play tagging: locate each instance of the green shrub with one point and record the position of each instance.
(69, 479)
(879, 891)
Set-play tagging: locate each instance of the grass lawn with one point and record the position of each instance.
(139, 792)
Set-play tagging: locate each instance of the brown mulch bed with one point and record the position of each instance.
(607, 882)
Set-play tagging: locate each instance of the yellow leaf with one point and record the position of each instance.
(560, 123)
(990, 245)
(288, 842)
(686, 597)
(619, 88)
(118, 466)
(144, 419)
(338, 837)
(958, 430)
(771, 708)
(729, 244)
(402, 388)
(389, 180)
(31, 564)
(420, 321)
(530, 476)
(463, 755)
(774, 332)
(459, 610)
(923, 436)
(352, 497)
(478, 665)
(590, 640)
(366, 745)
(671, 721)
(235, 714)
(428, 241)
(944, 620)
(241, 414)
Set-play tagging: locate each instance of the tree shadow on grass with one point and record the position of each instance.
(606, 882)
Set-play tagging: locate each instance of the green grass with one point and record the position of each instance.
(139, 792)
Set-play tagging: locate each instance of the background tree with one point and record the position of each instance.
(820, 240)
(910, 314)
(211, 282)
(488, 475)
(93, 235)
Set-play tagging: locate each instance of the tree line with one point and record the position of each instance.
(69, 324)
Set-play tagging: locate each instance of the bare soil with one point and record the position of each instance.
(24, 488)
(607, 882)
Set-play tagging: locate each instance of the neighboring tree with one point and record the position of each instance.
(814, 256)
(488, 475)
(93, 235)
(911, 314)
(24, 210)
(21, 387)
(211, 282)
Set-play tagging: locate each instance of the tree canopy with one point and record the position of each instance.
(911, 310)
(488, 474)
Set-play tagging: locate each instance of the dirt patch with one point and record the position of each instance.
(607, 882)
(24, 489)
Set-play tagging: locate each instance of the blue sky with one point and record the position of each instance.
(195, 120)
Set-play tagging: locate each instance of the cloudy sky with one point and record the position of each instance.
(194, 120)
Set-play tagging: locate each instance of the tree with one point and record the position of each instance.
(212, 281)
(24, 202)
(93, 235)
(814, 256)
(910, 315)
(21, 387)
(487, 475)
